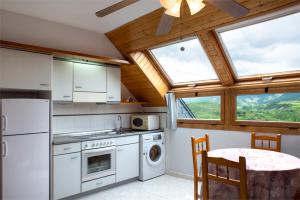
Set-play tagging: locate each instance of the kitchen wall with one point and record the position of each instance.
(179, 154)
(29, 30)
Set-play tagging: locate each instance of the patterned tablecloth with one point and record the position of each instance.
(270, 175)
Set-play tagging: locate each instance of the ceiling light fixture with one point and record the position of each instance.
(195, 6)
(173, 6)
(175, 9)
(168, 4)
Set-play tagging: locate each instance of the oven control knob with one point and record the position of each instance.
(85, 146)
(93, 145)
(110, 143)
(101, 144)
(97, 144)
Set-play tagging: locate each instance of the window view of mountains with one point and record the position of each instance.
(200, 108)
(280, 107)
(269, 107)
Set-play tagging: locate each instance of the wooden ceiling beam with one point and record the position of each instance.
(216, 57)
(144, 63)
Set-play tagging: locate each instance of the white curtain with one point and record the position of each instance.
(171, 111)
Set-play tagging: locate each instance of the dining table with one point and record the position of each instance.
(270, 175)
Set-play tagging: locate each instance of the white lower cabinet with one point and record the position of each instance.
(67, 175)
(127, 161)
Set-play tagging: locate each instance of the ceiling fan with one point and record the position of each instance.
(173, 8)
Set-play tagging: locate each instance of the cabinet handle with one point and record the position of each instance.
(44, 84)
(110, 97)
(4, 149)
(74, 157)
(66, 96)
(120, 150)
(78, 86)
(4, 122)
(67, 148)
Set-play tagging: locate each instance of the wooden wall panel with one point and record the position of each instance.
(140, 86)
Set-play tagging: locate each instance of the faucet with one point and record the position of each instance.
(120, 123)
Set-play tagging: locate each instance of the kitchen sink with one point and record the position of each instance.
(100, 134)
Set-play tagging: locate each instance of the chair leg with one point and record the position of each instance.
(195, 189)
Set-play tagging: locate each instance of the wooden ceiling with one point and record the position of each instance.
(134, 38)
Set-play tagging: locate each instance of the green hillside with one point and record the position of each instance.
(262, 107)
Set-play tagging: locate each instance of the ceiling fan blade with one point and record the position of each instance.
(165, 25)
(115, 7)
(230, 6)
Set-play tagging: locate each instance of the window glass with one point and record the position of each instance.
(205, 108)
(184, 62)
(279, 107)
(265, 48)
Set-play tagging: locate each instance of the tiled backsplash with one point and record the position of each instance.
(77, 123)
(70, 118)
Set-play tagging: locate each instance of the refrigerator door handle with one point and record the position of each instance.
(4, 122)
(4, 149)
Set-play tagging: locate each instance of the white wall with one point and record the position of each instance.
(29, 30)
(179, 154)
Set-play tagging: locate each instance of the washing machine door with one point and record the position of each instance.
(154, 154)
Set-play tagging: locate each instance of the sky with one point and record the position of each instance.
(268, 47)
(185, 66)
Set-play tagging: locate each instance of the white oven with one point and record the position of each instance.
(98, 159)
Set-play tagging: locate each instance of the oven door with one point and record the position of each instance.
(97, 163)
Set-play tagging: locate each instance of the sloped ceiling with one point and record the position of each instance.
(139, 35)
(80, 13)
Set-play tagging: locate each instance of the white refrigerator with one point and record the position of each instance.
(25, 149)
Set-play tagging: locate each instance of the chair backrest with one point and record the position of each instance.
(198, 145)
(241, 166)
(276, 139)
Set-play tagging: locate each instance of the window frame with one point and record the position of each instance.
(168, 78)
(260, 19)
(197, 122)
(253, 123)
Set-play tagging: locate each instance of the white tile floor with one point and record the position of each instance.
(162, 188)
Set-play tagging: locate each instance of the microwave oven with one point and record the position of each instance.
(145, 122)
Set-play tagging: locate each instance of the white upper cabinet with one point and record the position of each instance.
(25, 70)
(62, 80)
(89, 78)
(113, 84)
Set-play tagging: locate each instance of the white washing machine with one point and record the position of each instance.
(152, 155)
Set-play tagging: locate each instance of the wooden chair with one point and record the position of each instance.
(197, 148)
(241, 166)
(262, 138)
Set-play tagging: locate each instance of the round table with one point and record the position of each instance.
(270, 175)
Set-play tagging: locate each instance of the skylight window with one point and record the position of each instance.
(268, 47)
(184, 62)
